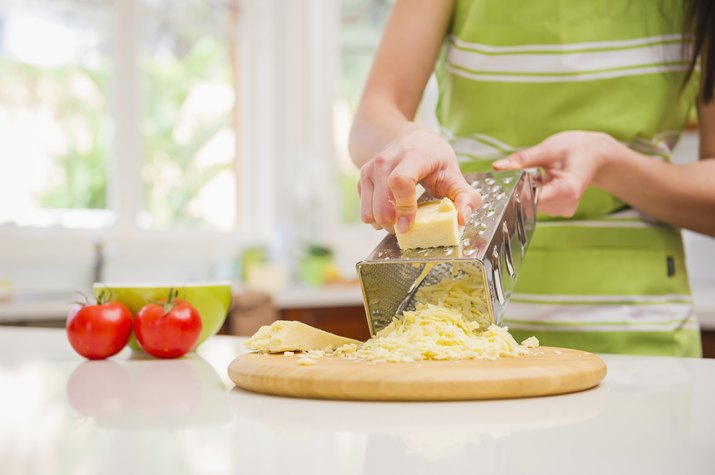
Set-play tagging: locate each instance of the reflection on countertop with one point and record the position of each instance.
(124, 395)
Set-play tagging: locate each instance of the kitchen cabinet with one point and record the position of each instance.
(708, 338)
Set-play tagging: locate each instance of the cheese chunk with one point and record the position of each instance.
(285, 335)
(435, 225)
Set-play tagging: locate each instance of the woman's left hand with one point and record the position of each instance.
(571, 161)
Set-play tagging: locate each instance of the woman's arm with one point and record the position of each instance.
(403, 63)
(679, 195)
(394, 152)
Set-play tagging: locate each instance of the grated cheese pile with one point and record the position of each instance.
(432, 332)
(450, 322)
(464, 294)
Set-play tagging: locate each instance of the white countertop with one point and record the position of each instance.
(63, 415)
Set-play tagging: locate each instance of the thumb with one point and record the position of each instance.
(540, 155)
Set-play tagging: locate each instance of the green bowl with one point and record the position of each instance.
(211, 300)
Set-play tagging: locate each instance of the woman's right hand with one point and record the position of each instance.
(388, 182)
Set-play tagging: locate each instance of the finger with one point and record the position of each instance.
(560, 210)
(403, 185)
(560, 196)
(562, 187)
(466, 202)
(541, 155)
(366, 191)
(452, 184)
(383, 209)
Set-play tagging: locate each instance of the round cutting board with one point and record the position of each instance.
(545, 372)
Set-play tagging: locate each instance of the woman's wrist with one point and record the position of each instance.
(610, 163)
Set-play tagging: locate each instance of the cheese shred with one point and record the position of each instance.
(463, 294)
(432, 332)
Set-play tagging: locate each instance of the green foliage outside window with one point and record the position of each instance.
(168, 84)
(80, 174)
(362, 24)
(75, 98)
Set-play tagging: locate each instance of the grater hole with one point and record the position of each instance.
(507, 250)
(496, 275)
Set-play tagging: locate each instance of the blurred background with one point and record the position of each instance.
(149, 140)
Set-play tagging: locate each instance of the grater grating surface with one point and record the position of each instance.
(488, 258)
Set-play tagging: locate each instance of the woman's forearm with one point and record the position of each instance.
(679, 195)
(377, 124)
(403, 63)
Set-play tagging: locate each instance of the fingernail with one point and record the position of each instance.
(466, 213)
(501, 163)
(403, 224)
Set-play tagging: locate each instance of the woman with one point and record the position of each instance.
(594, 92)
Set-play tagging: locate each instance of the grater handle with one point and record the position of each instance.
(537, 182)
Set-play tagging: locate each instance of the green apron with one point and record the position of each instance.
(513, 73)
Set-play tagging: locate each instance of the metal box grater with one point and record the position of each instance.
(490, 252)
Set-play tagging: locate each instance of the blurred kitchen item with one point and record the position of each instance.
(269, 277)
(251, 256)
(489, 255)
(5, 290)
(250, 311)
(316, 265)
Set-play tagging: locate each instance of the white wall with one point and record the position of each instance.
(46, 262)
(700, 250)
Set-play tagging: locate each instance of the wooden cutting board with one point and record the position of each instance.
(548, 371)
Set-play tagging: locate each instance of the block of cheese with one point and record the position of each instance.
(435, 225)
(285, 335)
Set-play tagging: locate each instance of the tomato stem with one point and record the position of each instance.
(105, 296)
(173, 295)
(84, 297)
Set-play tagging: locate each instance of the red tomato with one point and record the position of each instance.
(99, 331)
(169, 330)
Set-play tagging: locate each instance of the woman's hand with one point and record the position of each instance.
(388, 182)
(571, 161)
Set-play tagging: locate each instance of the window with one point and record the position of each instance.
(188, 73)
(362, 22)
(55, 120)
(180, 131)
(66, 131)
(64, 124)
